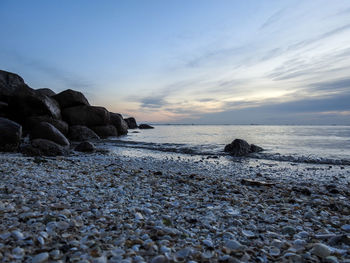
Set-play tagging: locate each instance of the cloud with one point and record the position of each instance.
(68, 79)
(153, 102)
(274, 18)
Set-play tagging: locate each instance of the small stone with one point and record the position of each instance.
(102, 259)
(138, 216)
(331, 259)
(248, 233)
(17, 234)
(274, 251)
(321, 250)
(233, 245)
(42, 257)
(159, 259)
(277, 243)
(346, 228)
(288, 230)
(208, 243)
(183, 253)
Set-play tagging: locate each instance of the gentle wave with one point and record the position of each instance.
(217, 150)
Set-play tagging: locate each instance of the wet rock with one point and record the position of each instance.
(240, 147)
(105, 131)
(145, 126)
(43, 147)
(131, 123)
(81, 133)
(86, 115)
(31, 122)
(45, 130)
(85, 147)
(10, 135)
(71, 98)
(119, 123)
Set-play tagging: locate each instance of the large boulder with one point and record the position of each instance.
(240, 147)
(10, 135)
(9, 82)
(131, 123)
(46, 92)
(26, 104)
(86, 116)
(118, 122)
(3, 108)
(80, 133)
(145, 126)
(45, 130)
(105, 131)
(85, 147)
(43, 147)
(61, 125)
(70, 98)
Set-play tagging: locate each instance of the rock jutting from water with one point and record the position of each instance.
(240, 147)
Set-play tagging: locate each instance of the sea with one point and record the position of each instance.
(299, 144)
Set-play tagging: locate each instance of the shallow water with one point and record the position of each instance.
(311, 144)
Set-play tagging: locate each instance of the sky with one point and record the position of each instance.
(188, 61)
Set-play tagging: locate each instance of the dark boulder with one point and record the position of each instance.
(62, 126)
(86, 115)
(46, 92)
(43, 147)
(145, 126)
(10, 135)
(118, 122)
(45, 130)
(241, 148)
(70, 98)
(255, 149)
(80, 133)
(3, 108)
(9, 82)
(85, 147)
(105, 131)
(131, 123)
(26, 104)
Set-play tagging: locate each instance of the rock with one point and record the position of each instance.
(159, 259)
(238, 148)
(46, 92)
(255, 149)
(3, 108)
(45, 130)
(233, 245)
(288, 230)
(60, 125)
(9, 82)
(10, 135)
(251, 182)
(86, 115)
(346, 227)
(70, 98)
(81, 133)
(43, 147)
(321, 250)
(85, 147)
(145, 126)
(31, 104)
(131, 123)
(39, 258)
(105, 131)
(118, 122)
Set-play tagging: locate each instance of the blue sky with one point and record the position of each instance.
(193, 61)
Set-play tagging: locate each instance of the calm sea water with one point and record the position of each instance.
(313, 144)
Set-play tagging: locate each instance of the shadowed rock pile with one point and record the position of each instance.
(51, 121)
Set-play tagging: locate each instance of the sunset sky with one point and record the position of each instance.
(190, 61)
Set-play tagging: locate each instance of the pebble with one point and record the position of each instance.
(39, 258)
(321, 250)
(233, 245)
(346, 228)
(159, 259)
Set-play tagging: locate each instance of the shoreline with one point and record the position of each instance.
(114, 207)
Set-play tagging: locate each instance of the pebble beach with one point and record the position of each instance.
(110, 207)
